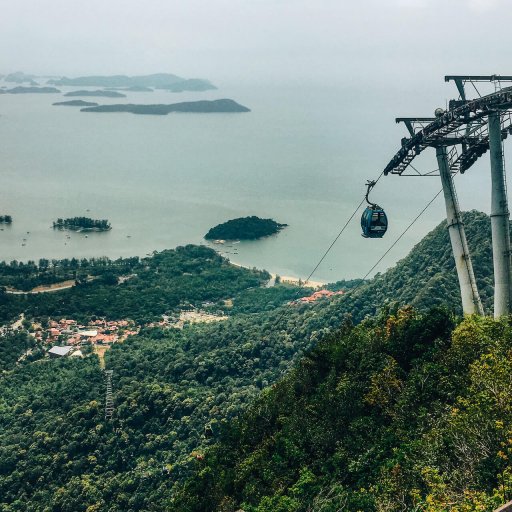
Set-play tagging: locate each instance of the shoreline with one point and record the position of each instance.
(296, 281)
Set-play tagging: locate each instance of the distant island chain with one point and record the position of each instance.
(118, 86)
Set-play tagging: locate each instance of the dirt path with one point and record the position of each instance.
(19, 322)
(55, 287)
(100, 350)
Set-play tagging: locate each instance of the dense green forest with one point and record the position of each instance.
(173, 392)
(150, 286)
(14, 344)
(82, 224)
(244, 228)
(406, 412)
(345, 404)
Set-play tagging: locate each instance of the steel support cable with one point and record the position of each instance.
(474, 87)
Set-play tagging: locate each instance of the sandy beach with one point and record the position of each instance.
(297, 281)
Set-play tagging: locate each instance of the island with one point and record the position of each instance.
(5, 219)
(82, 224)
(200, 107)
(133, 88)
(105, 94)
(76, 103)
(192, 84)
(25, 90)
(244, 228)
(157, 80)
(19, 77)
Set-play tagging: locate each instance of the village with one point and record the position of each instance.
(315, 296)
(67, 337)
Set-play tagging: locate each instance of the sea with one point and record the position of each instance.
(301, 157)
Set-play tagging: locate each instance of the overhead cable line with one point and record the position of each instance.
(398, 239)
(302, 284)
(339, 234)
(352, 290)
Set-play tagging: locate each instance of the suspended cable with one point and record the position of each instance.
(400, 237)
(302, 284)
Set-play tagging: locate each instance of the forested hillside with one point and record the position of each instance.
(426, 277)
(176, 391)
(407, 412)
(140, 289)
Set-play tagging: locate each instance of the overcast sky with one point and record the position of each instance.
(259, 41)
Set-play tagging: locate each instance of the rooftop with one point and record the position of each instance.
(60, 351)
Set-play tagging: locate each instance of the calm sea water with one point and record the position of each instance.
(301, 156)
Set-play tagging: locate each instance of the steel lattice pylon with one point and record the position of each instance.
(469, 128)
(109, 400)
(465, 124)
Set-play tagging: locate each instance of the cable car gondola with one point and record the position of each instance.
(374, 221)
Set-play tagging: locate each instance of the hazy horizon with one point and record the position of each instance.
(267, 42)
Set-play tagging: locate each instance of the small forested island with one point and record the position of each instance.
(99, 92)
(244, 228)
(5, 219)
(76, 103)
(82, 224)
(199, 107)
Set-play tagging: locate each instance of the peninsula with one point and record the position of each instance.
(19, 77)
(132, 88)
(99, 92)
(76, 103)
(26, 90)
(158, 81)
(244, 228)
(82, 224)
(200, 107)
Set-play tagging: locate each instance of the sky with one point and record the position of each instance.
(258, 41)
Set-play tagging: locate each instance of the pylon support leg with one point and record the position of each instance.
(500, 224)
(471, 303)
